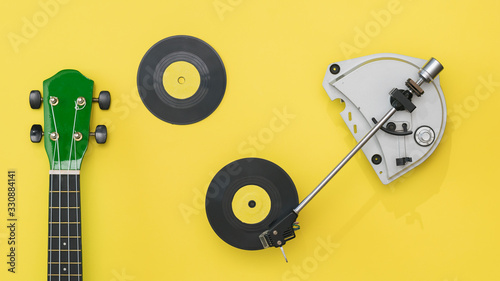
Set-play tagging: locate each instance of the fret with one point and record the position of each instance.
(51, 250)
(66, 277)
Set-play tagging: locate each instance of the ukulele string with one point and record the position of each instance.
(50, 216)
(77, 200)
(77, 210)
(60, 209)
(59, 206)
(50, 225)
(68, 234)
(68, 193)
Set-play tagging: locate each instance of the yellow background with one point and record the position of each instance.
(439, 223)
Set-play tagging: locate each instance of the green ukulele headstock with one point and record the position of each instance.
(67, 106)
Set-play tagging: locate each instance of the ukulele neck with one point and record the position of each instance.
(65, 242)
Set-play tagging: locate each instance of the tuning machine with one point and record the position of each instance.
(36, 133)
(104, 100)
(100, 134)
(35, 99)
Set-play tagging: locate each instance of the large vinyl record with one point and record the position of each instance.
(245, 198)
(181, 80)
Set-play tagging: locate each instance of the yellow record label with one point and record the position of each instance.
(251, 204)
(181, 79)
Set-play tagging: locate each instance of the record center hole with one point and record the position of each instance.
(251, 204)
(181, 80)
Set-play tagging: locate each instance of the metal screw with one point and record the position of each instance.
(376, 159)
(77, 136)
(424, 136)
(81, 101)
(391, 126)
(54, 101)
(279, 243)
(335, 69)
(275, 232)
(54, 136)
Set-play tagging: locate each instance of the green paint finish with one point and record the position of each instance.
(67, 118)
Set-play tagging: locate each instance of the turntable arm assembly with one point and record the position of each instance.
(401, 103)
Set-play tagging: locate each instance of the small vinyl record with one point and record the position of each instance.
(181, 80)
(245, 198)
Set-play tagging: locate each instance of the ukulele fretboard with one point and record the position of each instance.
(65, 244)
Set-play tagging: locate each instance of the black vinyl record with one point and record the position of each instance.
(267, 179)
(212, 80)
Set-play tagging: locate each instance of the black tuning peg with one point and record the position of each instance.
(36, 133)
(35, 99)
(104, 100)
(101, 134)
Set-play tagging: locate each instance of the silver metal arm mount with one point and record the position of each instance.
(283, 231)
